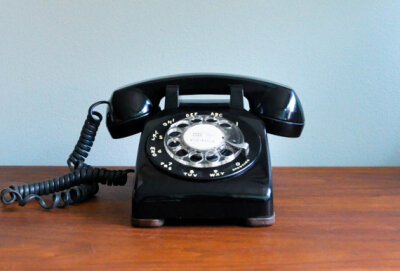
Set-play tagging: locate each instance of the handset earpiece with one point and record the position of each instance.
(280, 109)
(129, 110)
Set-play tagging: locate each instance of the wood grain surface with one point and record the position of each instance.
(326, 219)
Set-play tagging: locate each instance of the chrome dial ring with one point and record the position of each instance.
(204, 141)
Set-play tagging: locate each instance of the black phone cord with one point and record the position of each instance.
(78, 185)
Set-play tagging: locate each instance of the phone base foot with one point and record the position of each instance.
(260, 221)
(147, 223)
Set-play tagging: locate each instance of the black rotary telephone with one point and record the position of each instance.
(197, 159)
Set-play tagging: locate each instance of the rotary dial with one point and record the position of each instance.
(204, 141)
(202, 146)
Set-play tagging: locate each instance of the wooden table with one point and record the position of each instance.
(326, 218)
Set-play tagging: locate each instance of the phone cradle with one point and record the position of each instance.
(198, 161)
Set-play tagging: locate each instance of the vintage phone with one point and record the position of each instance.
(197, 159)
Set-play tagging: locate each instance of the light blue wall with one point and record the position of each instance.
(341, 57)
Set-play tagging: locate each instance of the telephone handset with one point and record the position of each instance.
(196, 159)
(278, 106)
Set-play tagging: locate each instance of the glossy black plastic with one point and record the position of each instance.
(129, 112)
(165, 195)
(276, 105)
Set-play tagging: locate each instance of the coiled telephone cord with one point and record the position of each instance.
(78, 185)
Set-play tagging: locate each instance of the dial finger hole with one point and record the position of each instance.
(173, 143)
(226, 152)
(196, 119)
(212, 158)
(211, 120)
(174, 132)
(183, 124)
(181, 153)
(195, 157)
(226, 125)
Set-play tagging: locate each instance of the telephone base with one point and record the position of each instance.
(147, 223)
